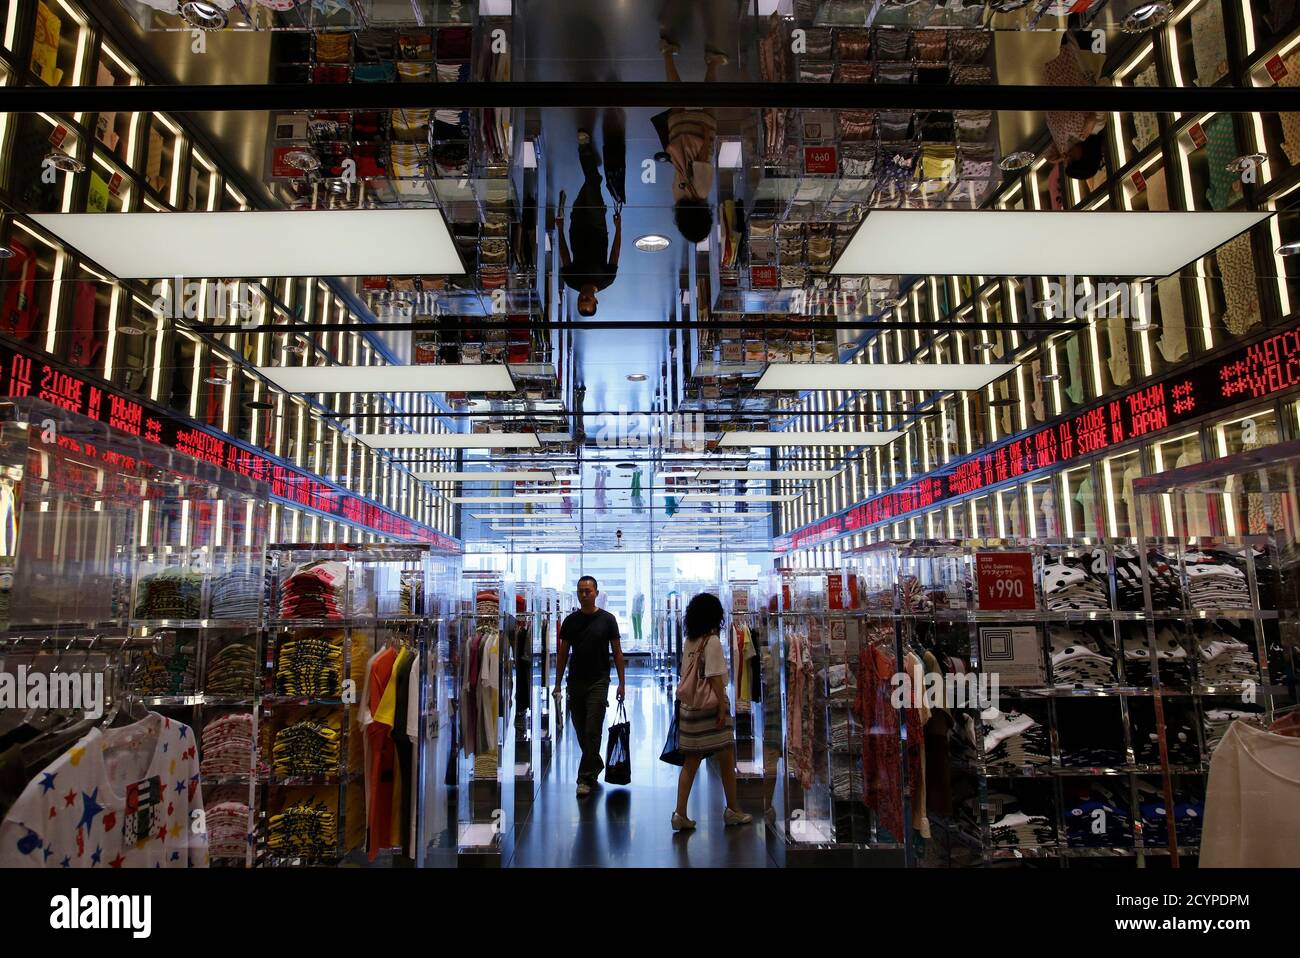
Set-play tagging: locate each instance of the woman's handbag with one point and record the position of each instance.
(672, 753)
(695, 691)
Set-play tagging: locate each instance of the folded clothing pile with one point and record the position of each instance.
(237, 595)
(1215, 724)
(1189, 813)
(411, 600)
(1018, 830)
(1069, 585)
(1169, 653)
(170, 594)
(226, 747)
(1180, 740)
(314, 590)
(309, 747)
(1094, 819)
(1215, 581)
(309, 666)
(1166, 589)
(1077, 661)
(1013, 738)
(168, 671)
(1226, 660)
(227, 830)
(914, 596)
(232, 670)
(307, 829)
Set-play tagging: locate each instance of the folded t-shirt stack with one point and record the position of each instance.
(913, 595)
(309, 666)
(308, 829)
(1077, 661)
(314, 591)
(308, 747)
(1216, 722)
(167, 673)
(226, 746)
(232, 669)
(173, 593)
(1225, 660)
(1180, 739)
(1013, 738)
(1166, 589)
(1188, 816)
(487, 603)
(411, 601)
(1215, 582)
(1019, 830)
(237, 595)
(1068, 585)
(227, 830)
(1174, 662)
(1093, 819)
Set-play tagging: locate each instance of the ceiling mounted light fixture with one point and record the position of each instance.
(452, 440)
(653, 243)
(797, 438)
(993, 242)
(523, 475)
(1016, 161)
(127, 329)
(1146, 16)
(304, 160)
(502, 500)
(637, 377)
(6, 252)
(448, 377)
(763, 475)
(939, 377)
(1051, 377)
(204, 15)
(258, 404)
(391, 242)
(217, 381)
(1246, 162)
(65, 163)
(1289, 248)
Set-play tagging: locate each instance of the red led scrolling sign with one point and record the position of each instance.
(1262, 369)
(22, 375)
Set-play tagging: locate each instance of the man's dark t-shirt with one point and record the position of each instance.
(589, 638)
(579, 274)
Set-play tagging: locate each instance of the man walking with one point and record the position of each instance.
(586, 638)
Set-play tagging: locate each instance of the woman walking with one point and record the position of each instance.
(704, 723)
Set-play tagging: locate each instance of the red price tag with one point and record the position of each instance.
(1139, 181)
(835, 592)
(762, 277)
(1198, 136)
(820, 159)
(115, 184)
(1005, 581)
(1276, 68)
(59, 135)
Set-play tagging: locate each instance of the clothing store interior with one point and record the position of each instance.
(996, 523)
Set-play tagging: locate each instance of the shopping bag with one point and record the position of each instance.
(672, 753)
(618, 753)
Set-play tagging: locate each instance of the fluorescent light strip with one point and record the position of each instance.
(452, 440)
(486, 500)
(761, 475)
(271, 243)
(800, 438)
(539, 475)
(390, 379)
(783, 497)
(868, 376)
(1027, 243)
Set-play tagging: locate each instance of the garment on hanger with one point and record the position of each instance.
(1087, 500)
(1173, 327)
(1251, 800)
(380, 770)
(800, 720)
(1121, 370)
(882, 756)
(1074, 365)
(1237, 270)
(120, 797)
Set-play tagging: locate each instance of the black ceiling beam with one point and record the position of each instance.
(541, 94)
(452, 324)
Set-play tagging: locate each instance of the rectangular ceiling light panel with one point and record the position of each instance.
(540, 475)
(529, 497)
(792, 438)
(390, 379)
(933, 377)
(273, 243)
(787, 497)
(760, 475)
(1024, 243)
(453, 440)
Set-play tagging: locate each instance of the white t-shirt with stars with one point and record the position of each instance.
(119, 798)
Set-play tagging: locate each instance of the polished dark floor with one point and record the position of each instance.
(630, 826)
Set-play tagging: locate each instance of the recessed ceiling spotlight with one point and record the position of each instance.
(1143, 326)
(986, 347)
(1145, 17)
(258, 404)
(1051, 377)
(204, 15)
(126, 329)
(1290, 248)
(64, 162)
(626, 465)
(636, 377)
(653, 243)
(304, 160)
(1245, 162)
(6, 252)
(217, 381)
(1016, 161)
